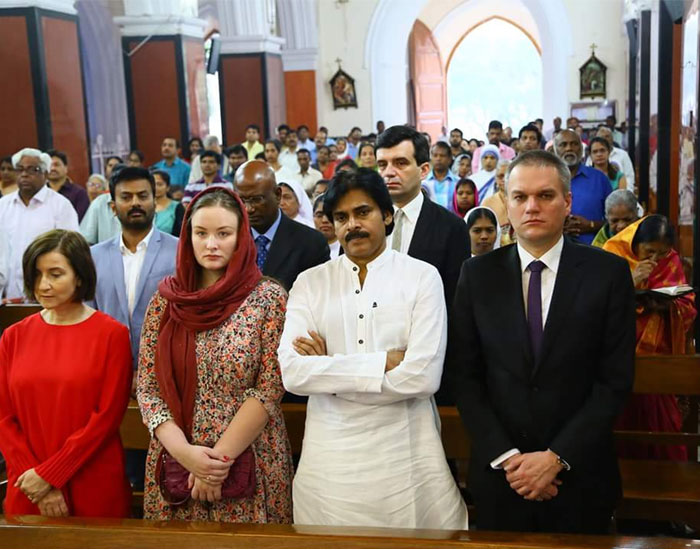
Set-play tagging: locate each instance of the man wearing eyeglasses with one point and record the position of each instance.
(28, 212)
(285, 247)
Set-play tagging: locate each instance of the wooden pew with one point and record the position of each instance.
(651, 489)
(41, 532)
(11, 313)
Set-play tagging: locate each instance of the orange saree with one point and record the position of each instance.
(657, 334)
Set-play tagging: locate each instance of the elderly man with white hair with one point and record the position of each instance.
(30, 211)
(617, 156)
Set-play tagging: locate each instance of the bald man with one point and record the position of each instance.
(285, 247)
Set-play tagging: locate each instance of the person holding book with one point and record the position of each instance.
(662, 323)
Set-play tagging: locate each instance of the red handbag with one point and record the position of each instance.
(172, 478)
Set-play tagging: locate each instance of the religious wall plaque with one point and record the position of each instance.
(592, 76)
(343, 90)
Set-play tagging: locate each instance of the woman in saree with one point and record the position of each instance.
(662, 323)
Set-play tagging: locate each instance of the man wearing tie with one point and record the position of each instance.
(285, 247)
(541, 358)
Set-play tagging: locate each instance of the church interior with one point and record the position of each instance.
(99, 79)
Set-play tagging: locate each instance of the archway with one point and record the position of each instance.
(387, 39)
(482, 87)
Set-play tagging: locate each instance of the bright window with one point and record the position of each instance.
(495, 73)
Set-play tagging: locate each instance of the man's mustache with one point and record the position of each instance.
(356, 235)
(136, 211)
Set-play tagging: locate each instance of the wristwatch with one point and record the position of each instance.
(563, 463)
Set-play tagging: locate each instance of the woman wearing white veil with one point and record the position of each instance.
(485, 178)
(295, 203)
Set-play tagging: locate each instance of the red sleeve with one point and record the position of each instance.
(13, 443)
(104, 421)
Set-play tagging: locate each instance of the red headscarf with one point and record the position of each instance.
(191, 310)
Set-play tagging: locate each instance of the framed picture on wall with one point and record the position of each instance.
(593, 78)
(343, 90)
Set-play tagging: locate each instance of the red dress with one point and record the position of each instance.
(63, 392)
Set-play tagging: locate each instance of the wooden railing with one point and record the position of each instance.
(41, 532)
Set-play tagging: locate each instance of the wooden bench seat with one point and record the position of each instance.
(41, 532)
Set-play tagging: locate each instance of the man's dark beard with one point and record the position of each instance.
(143, 223)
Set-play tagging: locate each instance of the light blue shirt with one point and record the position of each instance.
(442, 191)
(270, 233)
(99, 222)
(179, 171)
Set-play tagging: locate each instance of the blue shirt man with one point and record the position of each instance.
(441, 191)
(177, 169)
(589, 189)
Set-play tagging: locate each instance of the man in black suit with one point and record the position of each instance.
(423, 229)
(285, 247)
(541, 358)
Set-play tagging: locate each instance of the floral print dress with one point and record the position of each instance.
(235, 361)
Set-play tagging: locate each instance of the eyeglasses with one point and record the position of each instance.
(29, 169)
(255, 201)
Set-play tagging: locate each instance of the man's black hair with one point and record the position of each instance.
(461, 134)
(302, 127)
(364, 179)
(237, 150)
(208, 153)
(530, 128)
(495, 124)
(130, 173)
(253, 127)
(59, 154)
(283, 127)
(303, 150)
(394, 135)
(444, 146)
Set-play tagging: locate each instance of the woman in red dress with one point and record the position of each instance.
(65, 376)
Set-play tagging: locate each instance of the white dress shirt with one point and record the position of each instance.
(410, 217)
(288, 159)
(285, 175)
(372, 453)
(22, 224)
(551, 260)
(334, 247)
(309, 179)
(133, 262)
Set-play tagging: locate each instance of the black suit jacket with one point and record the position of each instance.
(442, 240)
(294, 249)
(567, 400)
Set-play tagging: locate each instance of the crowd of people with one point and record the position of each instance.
(370, 277)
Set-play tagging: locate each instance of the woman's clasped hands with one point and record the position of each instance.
(48, 499)
(208, 470)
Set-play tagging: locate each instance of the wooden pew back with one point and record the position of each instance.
(41, 532)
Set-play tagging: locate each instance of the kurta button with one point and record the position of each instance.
(360, 341)
(362, 316)
(354, 269)
(357, 292)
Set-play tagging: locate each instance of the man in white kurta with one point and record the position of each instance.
(372, 453)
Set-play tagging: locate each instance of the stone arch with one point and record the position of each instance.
(386, 52)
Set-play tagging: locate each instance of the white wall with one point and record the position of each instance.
(599, 22)
(342, 34)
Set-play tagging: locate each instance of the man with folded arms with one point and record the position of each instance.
(365, 338)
